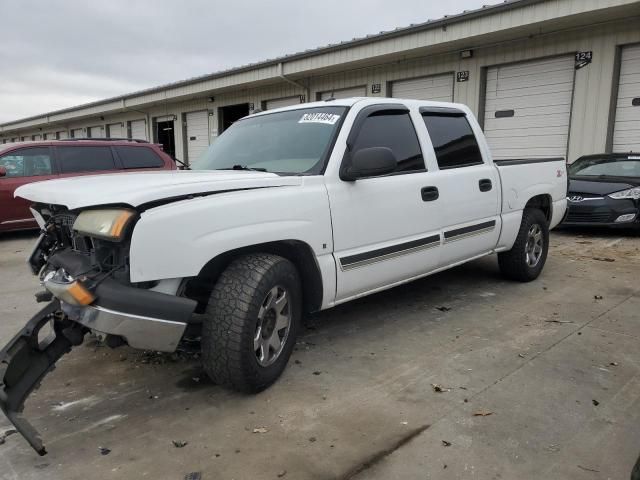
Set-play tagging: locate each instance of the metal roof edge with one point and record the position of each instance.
(428, 25)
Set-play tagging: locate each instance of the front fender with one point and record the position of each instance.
(178, 239)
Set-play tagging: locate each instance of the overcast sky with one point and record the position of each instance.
(58, 54)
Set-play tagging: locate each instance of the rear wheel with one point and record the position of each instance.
(526, 259)
(251, 322)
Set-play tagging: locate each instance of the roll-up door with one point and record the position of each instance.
(281, 102)
(96, 132)
(197, 133)
(528, 108)
(437, 88)
(77, 133)
(62, 134)
(36, 137)
(116, 130)
(360, 91)
(138, 129)
(626, 131)
(49, 136)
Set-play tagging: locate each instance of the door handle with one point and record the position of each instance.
(485, 185)
(429, 194)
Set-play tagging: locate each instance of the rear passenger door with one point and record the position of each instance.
(85, 160)
(468, 185)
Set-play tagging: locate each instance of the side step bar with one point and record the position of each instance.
(25, 360)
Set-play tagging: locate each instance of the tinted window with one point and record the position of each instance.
(607, 166)
(453, 140)
(27, 162)
(394, 130)
(138, 157)
(85, 159)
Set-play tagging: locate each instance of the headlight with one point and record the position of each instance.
(633, 193)
(109, 224)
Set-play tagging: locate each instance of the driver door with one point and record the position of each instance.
(24, 165)
(386, 228)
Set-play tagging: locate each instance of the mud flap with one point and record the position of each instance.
(26, 359)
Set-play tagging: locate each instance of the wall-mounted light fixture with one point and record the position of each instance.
(211, 99)
(466, 54)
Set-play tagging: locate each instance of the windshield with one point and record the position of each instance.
(608, 167)
(292, 142)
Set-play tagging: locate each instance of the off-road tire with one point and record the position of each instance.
(513, 264)
(231, 319)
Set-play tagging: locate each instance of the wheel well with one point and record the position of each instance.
(299, 253)
(541, 202)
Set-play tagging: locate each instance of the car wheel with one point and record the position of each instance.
(526, 259)
(251, 321)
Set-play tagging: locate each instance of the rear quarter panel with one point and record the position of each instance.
(523, 181)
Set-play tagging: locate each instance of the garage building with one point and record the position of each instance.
(546, 78)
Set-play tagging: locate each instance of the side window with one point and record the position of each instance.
(453, 140)
(392, 129)
(27, 162)
(139, 157)
(85, 159)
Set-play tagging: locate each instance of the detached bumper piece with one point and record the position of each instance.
(27, 358)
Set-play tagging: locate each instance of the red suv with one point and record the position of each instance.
(22, 163)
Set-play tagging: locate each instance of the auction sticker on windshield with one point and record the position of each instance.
(320, 117)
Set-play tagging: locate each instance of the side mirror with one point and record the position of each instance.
(3, 172)
(370, 162)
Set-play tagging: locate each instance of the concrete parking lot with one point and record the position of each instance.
(460, 375)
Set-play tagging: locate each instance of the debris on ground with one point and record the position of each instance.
(445, 443)
(552, 448)
(6, 434)
(282, 473)
(260, 430)
(312, 439)
(522, 355)
(179, 443)
(598, 297)
(317, 372)
(193, 476)
(439, 388)
(587, 469)
(104, 450)
(482, 413)
(604, 259)
(559, 321)
(595, 402)
(614, 364)
(443, 309)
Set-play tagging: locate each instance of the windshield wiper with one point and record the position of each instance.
(244, 167)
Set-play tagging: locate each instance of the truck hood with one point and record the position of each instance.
(139, 188)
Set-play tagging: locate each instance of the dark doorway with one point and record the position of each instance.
(164, 133)
(232, 113)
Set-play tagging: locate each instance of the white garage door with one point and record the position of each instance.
(96, 132)
(282, 102)
(197, 134)
(62, 134)
(36, 137)
(138, 129)
(116, 130)
(437, 88)
(77, 133)
(626, 132)
(344, 93)
(528, 108)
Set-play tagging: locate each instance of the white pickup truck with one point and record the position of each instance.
(290, 211)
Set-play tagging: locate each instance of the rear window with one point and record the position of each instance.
(453, 141)
(85, 159)
(139, 157)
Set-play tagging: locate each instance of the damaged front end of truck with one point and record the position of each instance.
(82, 261)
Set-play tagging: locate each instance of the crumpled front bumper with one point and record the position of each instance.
(143, 318)
(26, 359)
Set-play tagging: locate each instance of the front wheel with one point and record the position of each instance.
(251, 321)
(526, 259)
